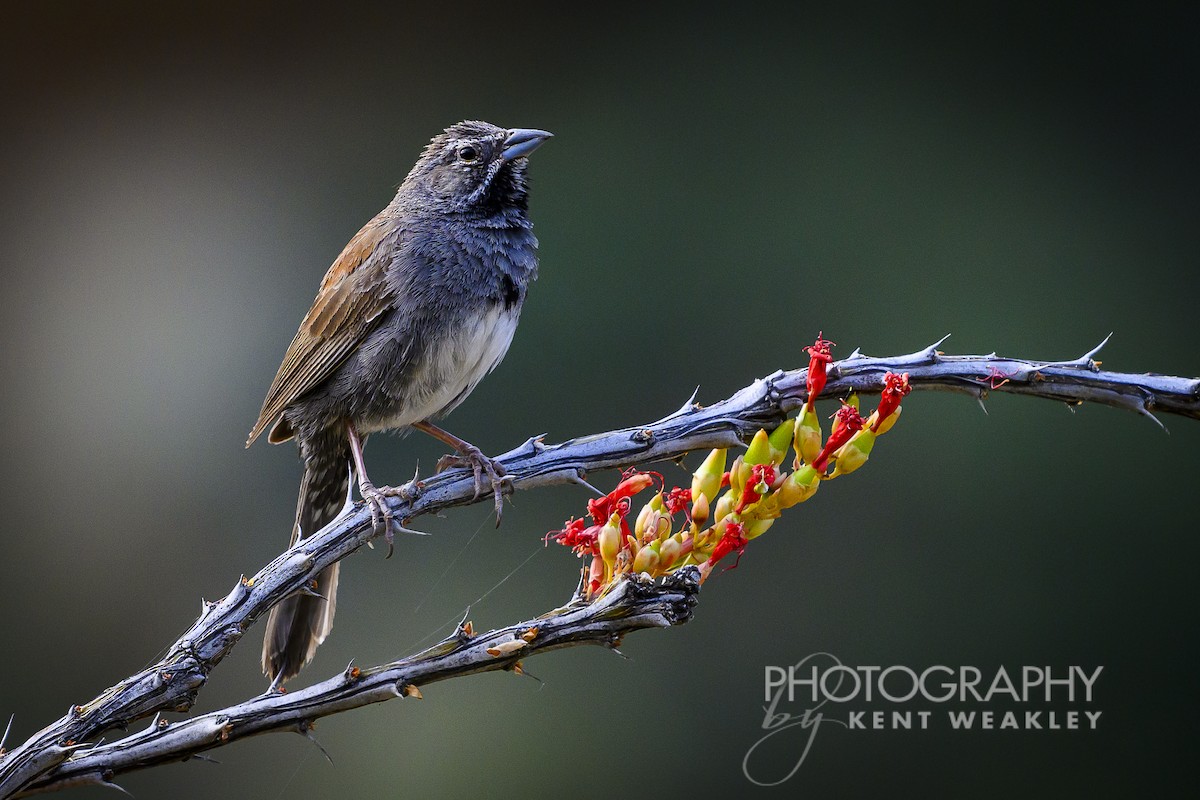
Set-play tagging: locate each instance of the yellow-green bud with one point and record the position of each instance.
(807, 439)
(736, 481)
(609, 540)
(757, 527)
(699, 508)
(887, 424)
(668, 552)
(707, 479)
(724, 506)
(781, 440)
(639, 527)
(854, 453)
(759, 451)
(646, 560)
(799, 486)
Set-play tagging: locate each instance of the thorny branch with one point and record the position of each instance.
(633, 604)
(62, 754)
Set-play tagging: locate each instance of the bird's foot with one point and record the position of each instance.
(471, 456)
(382, 517)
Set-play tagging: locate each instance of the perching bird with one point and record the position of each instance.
(420, 305)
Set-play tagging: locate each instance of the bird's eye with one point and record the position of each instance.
(467, 154)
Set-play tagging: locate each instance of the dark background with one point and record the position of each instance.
(722, 186)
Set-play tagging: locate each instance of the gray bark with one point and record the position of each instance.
(61, 754)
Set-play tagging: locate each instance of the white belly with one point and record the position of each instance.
(452, 370)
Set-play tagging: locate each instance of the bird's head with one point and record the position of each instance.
(475, 167)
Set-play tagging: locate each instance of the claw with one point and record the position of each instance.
(382, 519)
(471, 456)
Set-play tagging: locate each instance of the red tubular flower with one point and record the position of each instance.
(819, 359)
(576, 535)
(678, 500)
(595, 576)
(895, 387)
(632, 482)
(847, 422)
(733, 539)
(759, 483)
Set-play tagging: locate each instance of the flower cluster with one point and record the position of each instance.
(728, 504)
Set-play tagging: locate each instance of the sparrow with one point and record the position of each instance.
(420, 305)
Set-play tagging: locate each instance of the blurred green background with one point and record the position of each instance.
(722, 185)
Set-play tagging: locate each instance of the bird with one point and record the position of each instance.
(419, 306)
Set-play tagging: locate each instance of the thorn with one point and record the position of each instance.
(690, 404)
(305, 729)
(108, 784)
(932, 351)
(518, 668)
(1146, 412)
(202, 757)
(1087, 357)
(578, 479)
(979, 398)
(535, 443)
(7, 730)
(310, 588)
(411, 690)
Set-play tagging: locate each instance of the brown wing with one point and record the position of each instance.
(353, 295)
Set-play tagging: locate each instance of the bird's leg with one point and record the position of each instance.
(469, 456)
(375, 496)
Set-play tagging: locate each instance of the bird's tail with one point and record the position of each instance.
(300, 623)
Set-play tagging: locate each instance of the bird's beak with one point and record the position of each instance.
(523, 141)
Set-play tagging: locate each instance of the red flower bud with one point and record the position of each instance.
(576, 535)
(759, 483)
(733, 539)
(895, 387)
(819, 359)
(846, 422)
(678, 500)
(617, 501)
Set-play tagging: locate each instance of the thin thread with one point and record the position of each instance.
(437, 582)
(540, 548)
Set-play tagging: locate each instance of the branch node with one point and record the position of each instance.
(506, 648)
